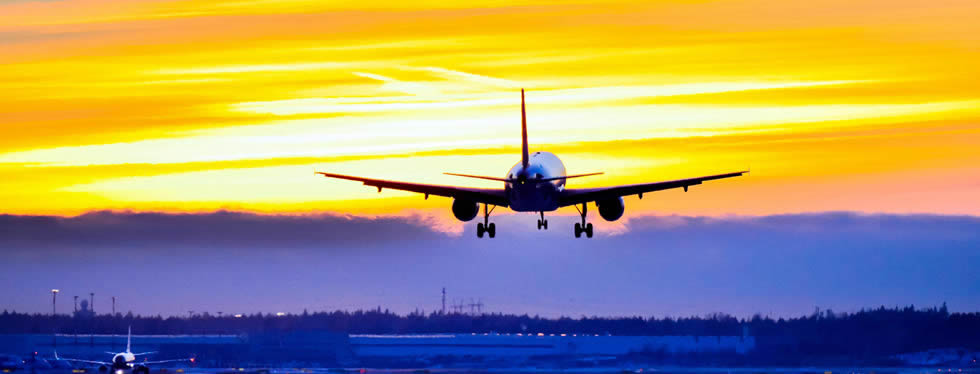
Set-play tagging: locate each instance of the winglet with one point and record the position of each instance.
(525, 159)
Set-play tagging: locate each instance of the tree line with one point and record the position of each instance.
(866, 333)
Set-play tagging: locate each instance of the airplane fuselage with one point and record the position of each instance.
(123, 360)
(535, 197)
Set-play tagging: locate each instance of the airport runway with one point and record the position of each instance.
(532, 370)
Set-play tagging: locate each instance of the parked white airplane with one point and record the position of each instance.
(123, 361)
(535, 184)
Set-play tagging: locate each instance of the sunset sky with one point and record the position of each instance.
(173, 142)
(192, 106)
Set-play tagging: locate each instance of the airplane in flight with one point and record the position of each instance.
(123, 361)
(535, 184)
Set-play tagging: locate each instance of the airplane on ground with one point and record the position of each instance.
(535, 184)
(123, 361)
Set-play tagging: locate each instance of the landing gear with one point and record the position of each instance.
(583, 227)
(486, 226)
(542, 223)
(579, 230)
(490, 229)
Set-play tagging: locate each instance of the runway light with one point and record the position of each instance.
(540, 334)
(119, 371)
(238, 316)
(280, 314)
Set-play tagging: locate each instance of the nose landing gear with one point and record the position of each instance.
(486, 226)
(583, 227)
(542, 223)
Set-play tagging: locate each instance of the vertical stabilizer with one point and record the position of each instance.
(129, 337)
(525, 159)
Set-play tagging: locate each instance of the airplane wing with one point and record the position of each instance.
(480, 195)
(572, 196)
(165, 361)
(83, 361)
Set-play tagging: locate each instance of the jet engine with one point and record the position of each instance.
(465, 210)
(611, 209)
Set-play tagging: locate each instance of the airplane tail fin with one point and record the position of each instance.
(129, 338)
(525, 158)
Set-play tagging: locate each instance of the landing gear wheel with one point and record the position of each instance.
(486, 226)
(545, 224)
(584, 226)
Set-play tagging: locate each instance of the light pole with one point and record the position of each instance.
(113, 305)
(54, 313)
(91, 302)
(74, 320)
(54, 301)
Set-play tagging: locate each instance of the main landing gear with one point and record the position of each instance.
(486, 226)
(584, 226)
(542, 223)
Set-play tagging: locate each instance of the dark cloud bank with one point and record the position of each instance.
(668, 265)
(222, 229)
(245, 230)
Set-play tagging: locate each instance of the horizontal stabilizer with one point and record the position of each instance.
(517, 180)
(568, 176)
(479, 177)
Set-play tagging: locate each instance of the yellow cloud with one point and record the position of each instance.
(190, 105)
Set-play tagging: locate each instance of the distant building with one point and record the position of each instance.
(83, 310)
